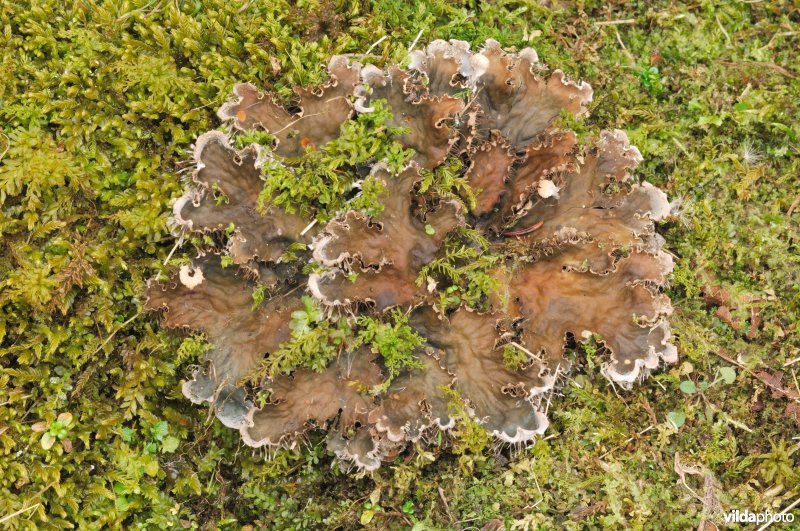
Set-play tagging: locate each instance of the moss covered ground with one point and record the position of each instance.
(99, 104)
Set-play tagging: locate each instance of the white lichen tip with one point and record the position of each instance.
(529, 54)
(239, 91)
(190, 277)
(660, 207)
(547, 188)
(522, 434)
(478, 64)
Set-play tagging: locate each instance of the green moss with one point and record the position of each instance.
(315, 341)
(99, 106)
(321, 184)
(393, 340)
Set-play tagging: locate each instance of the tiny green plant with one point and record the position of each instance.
(725, 375)
(314, 342)
(370, 509)
(650, 79)
(56, 430)
(394, 340)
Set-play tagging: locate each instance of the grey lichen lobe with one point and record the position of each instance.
(575, 231)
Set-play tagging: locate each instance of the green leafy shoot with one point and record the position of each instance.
(192, 348)
(448, 181)
(321, 182)
(470, 438)
(259, 293)
(290, 254)
(256, 136)
(465, 268)
(395, 342)
(514, 358)
(54, 431)
(591, 347)
(650, 79)
(315, 341)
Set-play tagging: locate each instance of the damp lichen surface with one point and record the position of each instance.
(574, 256)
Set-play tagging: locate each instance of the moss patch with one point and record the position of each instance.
(98, 108)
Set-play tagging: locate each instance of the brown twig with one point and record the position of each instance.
(394, 513)
(765, 64)
(615, 22)
(111, 336)
(446, 505)
(792, 207)
(522, 232)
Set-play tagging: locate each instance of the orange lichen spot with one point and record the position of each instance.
(306, 142)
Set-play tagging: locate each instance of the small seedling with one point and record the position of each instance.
(55, 431)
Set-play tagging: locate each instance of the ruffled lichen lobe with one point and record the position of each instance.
(571, 233)
(386, 252)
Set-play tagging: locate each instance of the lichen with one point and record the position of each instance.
(563, 238)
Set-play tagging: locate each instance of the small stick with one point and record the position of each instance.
(624, 49)
(541, 494)
(9, 401)
(123, 325)
(374, 44)
(446, 506)
(719, 24)
(522, 232)
(526, 351)
(615, 22)
(765, 64)
(177, 244)
(675, 140)
(793, 206)
(628, 440)
(789, 508)
(17, 513)
(308, 227)
(415, 41)
(779, 34)
(550, 394)
(394, 513)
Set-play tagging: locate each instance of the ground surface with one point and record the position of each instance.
(98, 108)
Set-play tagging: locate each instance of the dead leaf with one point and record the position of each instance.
(773, 380)
(716, 296)
(724, 314)
(792, 411)
(655, 57)
(755, 323)
(493, 525)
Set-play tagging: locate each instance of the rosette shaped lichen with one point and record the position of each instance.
(385, 252)
(500, 237)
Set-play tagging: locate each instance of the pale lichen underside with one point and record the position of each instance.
(584, 255)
